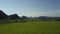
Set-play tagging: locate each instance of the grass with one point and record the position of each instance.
(31, 27)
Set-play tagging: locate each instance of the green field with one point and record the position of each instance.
(31, 27)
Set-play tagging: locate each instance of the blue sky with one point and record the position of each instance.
(31, 7)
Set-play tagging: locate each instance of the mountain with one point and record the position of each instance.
(3, 15)
(14, 16)
(24, 17)
(49, 18)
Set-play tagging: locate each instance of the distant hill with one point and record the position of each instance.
(14, 16)
(3, 15)
(24, 17)
(49, 18)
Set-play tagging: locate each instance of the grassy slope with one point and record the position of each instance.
(31, 27)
